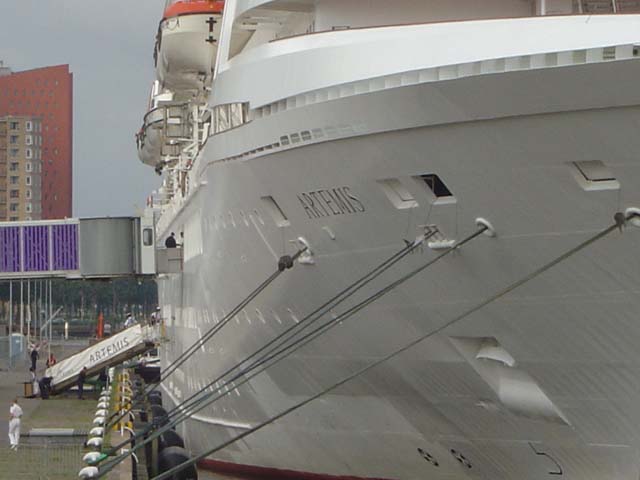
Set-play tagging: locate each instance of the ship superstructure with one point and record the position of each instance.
(353, 129)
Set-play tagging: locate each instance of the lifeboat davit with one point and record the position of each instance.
(187, 43)
(165, 130)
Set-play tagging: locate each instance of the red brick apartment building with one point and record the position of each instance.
(46, 93)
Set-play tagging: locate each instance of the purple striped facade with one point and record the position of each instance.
(39, 248)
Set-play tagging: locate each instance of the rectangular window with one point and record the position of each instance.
(13, 167)
(28, 140)
(29, 208)
(595, 175)
(397, 193)
(28, 126)
(276, 212)
(27, 180)
(13, 125)
(14, 152)
(147, 237)
(13, 139)
(28, 167)
(14, 194)
(28, 153)
(436, 185)
(29, 194)
(13, 219)
(13, 207)
(14, 180)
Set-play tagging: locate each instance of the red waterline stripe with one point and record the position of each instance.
(253, 472)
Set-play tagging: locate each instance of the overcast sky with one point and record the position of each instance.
(108, 46)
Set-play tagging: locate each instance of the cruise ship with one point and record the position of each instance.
(489, 148)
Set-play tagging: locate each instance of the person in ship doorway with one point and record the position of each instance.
(15, 412)
(82, 376)
(170, 242)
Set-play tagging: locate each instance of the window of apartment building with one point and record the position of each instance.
(27, 180)
(28, 166)
(14, 152)
(13, 219)
(14, 180)
(13, 139)
(29, 208)
(14, 194)
(28, 140)
(13, 125)
(29, 194)
(13, 167)
(28, 126)
(28, 153)
(13, 207)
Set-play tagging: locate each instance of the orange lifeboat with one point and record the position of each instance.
(187, 44)
(193, 7)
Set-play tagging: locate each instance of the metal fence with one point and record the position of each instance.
(20, 356)
(42, 459)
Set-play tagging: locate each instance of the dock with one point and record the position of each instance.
(51, 457)
(54, 431)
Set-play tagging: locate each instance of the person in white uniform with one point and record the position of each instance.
(15, 413)
(130, 321)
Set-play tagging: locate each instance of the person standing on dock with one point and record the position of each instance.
(51, 361)
(15, 412)
(34, 356)
(82, 376)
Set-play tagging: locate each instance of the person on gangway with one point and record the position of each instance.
(129, 321)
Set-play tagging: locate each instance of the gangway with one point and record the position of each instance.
(78, 248)
(106, 353)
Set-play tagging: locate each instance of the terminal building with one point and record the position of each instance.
(39, 98)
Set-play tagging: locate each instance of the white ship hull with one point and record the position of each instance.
(573, 331)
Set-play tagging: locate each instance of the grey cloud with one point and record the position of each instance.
(109, 46)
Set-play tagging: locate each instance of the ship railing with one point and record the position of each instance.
(173, 121)
(591, 7)
(228, 116)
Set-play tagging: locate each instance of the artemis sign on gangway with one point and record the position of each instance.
(77, 248)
